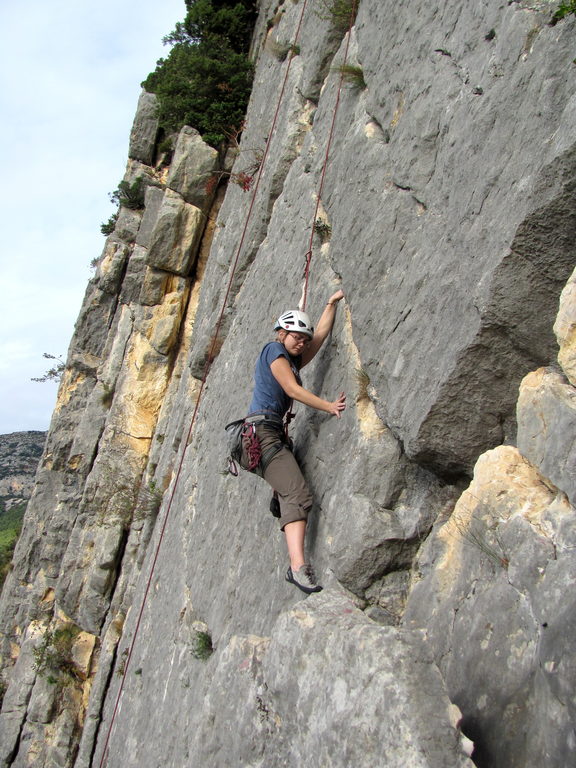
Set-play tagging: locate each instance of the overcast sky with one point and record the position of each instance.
(70, 74)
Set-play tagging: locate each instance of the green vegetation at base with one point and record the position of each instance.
(206, 79)
(10, 527)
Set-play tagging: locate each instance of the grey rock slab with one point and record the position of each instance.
(328, 687)
(144, 129)
(426, 288)
(565, 329)
(193, 164)
(363, 694)
(111, 266)
(488, 585)
(152, 202)
(176, 235)
(546, 415)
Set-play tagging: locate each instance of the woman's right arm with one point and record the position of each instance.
(283, 374)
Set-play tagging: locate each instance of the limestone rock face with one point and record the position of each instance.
(144, 130)
(565, 329)
(445, 210)
(546, 424)
(492, 590)
(332, 684)
(192, 167)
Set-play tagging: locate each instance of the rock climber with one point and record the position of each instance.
(276, 384)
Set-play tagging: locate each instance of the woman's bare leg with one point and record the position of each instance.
(295, 533)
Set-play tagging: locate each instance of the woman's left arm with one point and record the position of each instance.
(323, 328)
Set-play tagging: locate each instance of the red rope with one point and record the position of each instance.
(308, 256)
(207, 366)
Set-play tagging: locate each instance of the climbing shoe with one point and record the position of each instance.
(304, 578)
(275, 505)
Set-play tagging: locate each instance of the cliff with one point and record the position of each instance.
(146, 620)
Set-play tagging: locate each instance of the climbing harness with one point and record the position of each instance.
(244, 446)
(211, 354)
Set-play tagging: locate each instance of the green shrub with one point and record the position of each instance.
(108, 227)
(341, 13)
(202, 648)
(563, 10)
(323, 230)
(230, 21)
(130, 195)
(205, 85)
(206, 79)
(363, 381)
(53, 657)
(353, 75)
(107, 395)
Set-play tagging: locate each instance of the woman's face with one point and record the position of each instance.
(294, 342)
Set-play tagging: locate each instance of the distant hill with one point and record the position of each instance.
(20, 453)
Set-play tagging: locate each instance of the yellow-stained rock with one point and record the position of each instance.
(69, 383)
(370, 423)
(142, 392)
(505, 485)
(82, 652)
(167, 317)
(546, 417)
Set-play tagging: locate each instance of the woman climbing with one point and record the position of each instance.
(276, 384)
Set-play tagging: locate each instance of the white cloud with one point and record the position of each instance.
(70, 74)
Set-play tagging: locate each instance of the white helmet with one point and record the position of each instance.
(296, 321)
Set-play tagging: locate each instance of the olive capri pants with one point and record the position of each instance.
(285, 476)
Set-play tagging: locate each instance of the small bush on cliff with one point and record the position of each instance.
(206, 79)
(323, 230)
(342, 13)
(563, 10)
(130, 195)
(352, 75)
(53, 657)
(108, 227)
(54, 373)
(202, 648)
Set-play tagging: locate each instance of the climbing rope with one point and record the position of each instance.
(207, 366)
(212, 349)
(308, 255)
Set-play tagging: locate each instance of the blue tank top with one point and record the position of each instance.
(268, 395)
